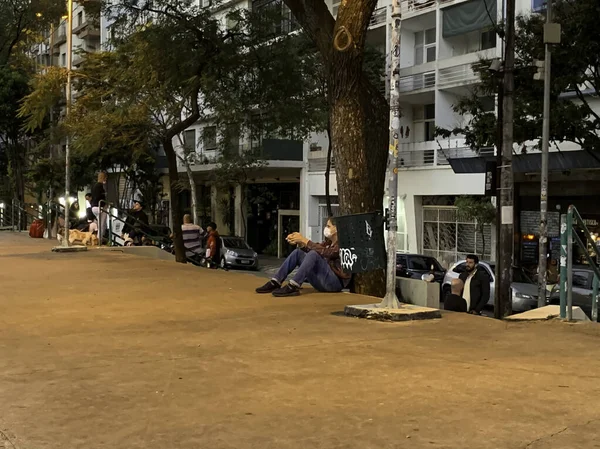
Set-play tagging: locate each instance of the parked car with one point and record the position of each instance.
(583, 277)
(416, 265)
(524, 289)
(236, 253)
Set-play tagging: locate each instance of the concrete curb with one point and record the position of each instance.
(407, 312)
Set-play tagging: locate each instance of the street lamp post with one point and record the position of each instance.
(68, 110)
(390, 300)
(551, 36)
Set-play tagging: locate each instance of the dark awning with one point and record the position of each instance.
(530, 163)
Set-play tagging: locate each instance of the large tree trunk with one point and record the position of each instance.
(358, 111)
(175, 209)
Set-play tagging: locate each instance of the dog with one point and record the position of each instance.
(75, 235)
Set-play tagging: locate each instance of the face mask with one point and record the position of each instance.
(327, 233)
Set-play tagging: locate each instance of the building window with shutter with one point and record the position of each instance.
(425, 48)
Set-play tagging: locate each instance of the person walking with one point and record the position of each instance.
(213, 246)
(98, 202)
(476, 291)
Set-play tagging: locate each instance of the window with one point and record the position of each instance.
(63, 60)
(429, 122)
(460, 268)
(425, 50)
(581, 279)
(209, 138)
(423, 263)
(79, 18)
(538, 5)
(189, 141)
(488, 39)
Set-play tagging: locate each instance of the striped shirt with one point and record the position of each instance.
(192, 238)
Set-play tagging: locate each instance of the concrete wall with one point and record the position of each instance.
(418, 292)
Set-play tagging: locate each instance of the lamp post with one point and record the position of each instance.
(390, 300)
(551, 36)
(65, 241)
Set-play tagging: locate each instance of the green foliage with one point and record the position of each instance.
(479, 209)
(23, 21)
(575, 75)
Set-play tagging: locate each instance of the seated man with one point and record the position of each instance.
(135, 225)
(455, 302)
(319, 264)
(192, 237)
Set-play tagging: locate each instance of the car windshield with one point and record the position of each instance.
(235, 244)
(520, 276)
(423, 263)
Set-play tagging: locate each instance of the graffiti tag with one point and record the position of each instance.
(347, 258)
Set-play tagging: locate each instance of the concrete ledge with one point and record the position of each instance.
(406, 312)
(418, 292)
(145, 251)
(547, 313)
(69, 249)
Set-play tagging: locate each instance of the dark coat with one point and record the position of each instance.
(480, 289)
(455, 303)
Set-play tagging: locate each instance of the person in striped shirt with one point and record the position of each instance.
(192, 237)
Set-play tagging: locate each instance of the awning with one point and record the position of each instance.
(530, 163)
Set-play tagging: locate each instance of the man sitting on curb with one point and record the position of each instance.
(319, 264)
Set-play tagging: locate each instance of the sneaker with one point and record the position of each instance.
(288, 290)
(268, 287)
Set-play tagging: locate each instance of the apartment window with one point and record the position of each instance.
(425, 46)
(79, 18)
(63, 60)
(189, 140)
(424, 118)
(209, 138)
(488, 39)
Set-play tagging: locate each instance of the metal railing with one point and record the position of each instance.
(568, 236)
(409, 156)
(320, 164)
(379, 16)
(462, 73)
(414, 7)
(417, 81)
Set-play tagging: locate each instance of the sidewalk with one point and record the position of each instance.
(107, 350)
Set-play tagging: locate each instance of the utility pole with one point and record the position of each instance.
(390, 300)
(506, 233)
(499, 131)
(551, 36)
(68, 110)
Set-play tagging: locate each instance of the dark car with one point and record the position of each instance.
(416, 265)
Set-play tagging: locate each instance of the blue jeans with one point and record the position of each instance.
(314, 269)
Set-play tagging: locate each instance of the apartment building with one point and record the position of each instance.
(440, 42)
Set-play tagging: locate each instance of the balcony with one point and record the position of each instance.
(457, 75)
(87, 30)
(60, 37)
(429, 154)
(417, 82)
(319, 164)
(410, 8)
(379, 17)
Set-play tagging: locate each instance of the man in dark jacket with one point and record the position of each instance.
(318, 263)
(476, 291)
(455, 302)
(136, 224)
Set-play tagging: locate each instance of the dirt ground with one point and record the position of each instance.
(107, 350)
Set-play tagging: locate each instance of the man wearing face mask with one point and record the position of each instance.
(318, 263)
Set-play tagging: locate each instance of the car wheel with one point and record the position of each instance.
(223, 263)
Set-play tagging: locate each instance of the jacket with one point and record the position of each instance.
(136, 221)
(331, 253)
(98, 194)
(480, 289)
(213, 244)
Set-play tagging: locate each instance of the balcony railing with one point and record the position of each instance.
(410, 155)
(417, 81)
(459, 74)
(413, 7)
(320, 164)
(379, 16)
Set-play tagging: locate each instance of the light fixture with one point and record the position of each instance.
(61, 200)
(1, 205)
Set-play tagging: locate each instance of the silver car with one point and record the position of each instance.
(236, 253)
(524, 290)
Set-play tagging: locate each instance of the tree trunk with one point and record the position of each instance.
(328, 169)
(174, 181)
(359, 112)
